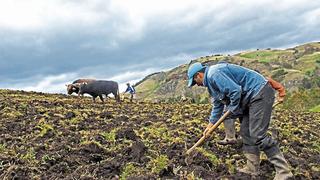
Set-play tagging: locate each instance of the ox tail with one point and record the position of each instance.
(118, 95)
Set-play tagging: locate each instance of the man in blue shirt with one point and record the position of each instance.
(229, 123)
(249, 97)
(131, 90)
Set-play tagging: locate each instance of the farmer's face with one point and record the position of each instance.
(198, 78)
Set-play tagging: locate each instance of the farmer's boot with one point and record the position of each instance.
(282, 168)
(252, 166)
(230, 131)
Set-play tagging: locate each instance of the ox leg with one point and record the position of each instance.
(116, 96)
(100, 96)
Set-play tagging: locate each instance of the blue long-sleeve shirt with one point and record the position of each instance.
(234, 83)
(131, 90)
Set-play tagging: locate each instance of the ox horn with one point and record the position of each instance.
(77, 84)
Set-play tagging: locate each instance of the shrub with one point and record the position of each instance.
(279, 74)
(128, 170)
(158, 164)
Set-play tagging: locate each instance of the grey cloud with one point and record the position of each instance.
(101, 51)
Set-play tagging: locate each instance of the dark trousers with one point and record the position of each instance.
(131, 97)
(255, 123)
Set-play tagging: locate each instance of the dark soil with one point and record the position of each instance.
(52, 136)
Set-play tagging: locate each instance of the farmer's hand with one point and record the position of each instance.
(205, 133)
(280, 99)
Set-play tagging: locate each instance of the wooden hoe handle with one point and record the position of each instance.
(214, 127)
(275, 104)
(222, 118)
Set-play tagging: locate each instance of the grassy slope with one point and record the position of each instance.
(296, 68)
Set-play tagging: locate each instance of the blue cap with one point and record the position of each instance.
(193, 69)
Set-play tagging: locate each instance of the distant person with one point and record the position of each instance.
(130, 89)
(229, 123)
(250, 97)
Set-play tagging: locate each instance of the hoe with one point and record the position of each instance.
(213, 128)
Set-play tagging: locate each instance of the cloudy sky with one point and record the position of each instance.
(45, 44)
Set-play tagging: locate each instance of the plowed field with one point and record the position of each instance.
(52, 136)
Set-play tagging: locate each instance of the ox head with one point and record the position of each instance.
(71, 88)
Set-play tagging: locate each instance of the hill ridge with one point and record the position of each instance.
(297, 68)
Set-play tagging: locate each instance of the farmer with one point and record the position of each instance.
(251, 98)
(229, 127)
(131, 91)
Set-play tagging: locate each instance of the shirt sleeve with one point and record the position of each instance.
(127, 90)
(232, 90)
(133, 90)
(226, 86)
(216, 111)
(277, 86)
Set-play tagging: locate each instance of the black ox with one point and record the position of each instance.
(99, 88)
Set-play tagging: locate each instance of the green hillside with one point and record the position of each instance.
(298, 69)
